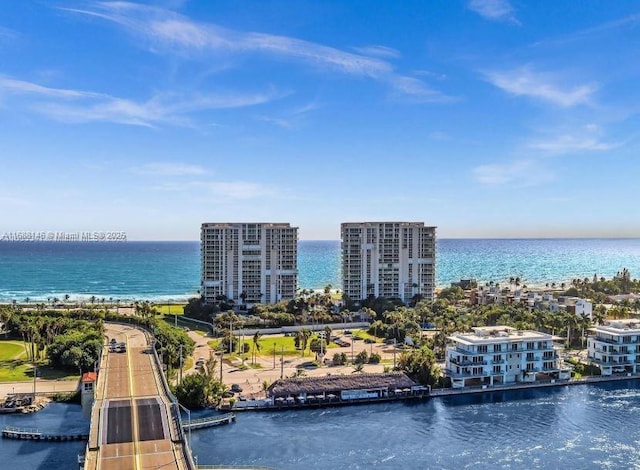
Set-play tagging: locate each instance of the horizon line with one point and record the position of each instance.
(338, 239)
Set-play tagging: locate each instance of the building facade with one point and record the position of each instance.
(615, 346)
(249, 263)
(499, 355)
(388, 259)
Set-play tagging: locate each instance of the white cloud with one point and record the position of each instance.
(543, 86)
(169, 169)
(290, 119)
(416, 91)
(69, 105)
(379, 51)
(567, 143)
(14, 86)
(177, 33)
(517, 173)
(494, 10)
(232, 190)
(584, 139)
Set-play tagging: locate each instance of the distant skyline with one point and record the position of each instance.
(485, 118)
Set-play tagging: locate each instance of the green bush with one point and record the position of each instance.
(362, 357)
(339, 359)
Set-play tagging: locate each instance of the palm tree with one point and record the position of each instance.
(570, 320)
(585, 323)
(599, 314)
(256, 345)
(327, 334)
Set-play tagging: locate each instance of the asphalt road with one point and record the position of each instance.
(118, 422)
(135, 424)
(150, 425)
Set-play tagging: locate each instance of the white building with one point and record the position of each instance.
(249, 262)
(388, 259)
(615, 346)
(498, 355)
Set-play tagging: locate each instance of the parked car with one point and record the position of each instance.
(235, 388)
(369, 340)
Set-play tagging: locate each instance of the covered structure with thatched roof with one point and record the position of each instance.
(344, 388)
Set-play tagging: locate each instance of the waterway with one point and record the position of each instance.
(31, 455)
(579, 427)
(593, 426)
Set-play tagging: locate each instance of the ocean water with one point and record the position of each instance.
(171, 270)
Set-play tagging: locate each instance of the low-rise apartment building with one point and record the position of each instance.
(499, 355)
(615, 346)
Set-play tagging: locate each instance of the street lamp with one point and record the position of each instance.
(160, 356)
(189, 422)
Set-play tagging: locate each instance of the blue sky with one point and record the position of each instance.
(487, 118)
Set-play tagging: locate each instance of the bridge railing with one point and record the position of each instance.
(175, 409)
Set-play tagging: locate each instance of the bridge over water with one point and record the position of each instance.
(135, 421)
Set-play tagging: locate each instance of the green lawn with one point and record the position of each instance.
(10, 350)
(281, 344)
(364, 335)
(173, 309)
(171, 320)
(14, 373)
(14, 366)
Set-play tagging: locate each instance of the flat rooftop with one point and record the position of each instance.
(498, 334)
(618, 327)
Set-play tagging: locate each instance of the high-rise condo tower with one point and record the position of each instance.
(249, 263)
(388, 259)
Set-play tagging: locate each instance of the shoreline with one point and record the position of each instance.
(110, 299)
(436, 393)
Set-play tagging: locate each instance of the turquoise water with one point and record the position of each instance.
(171, 270)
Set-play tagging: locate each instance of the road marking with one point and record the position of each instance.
(134, 411)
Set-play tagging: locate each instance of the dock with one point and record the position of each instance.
(31, 434)
(208, 422)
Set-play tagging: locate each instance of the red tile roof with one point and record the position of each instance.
(89, 377)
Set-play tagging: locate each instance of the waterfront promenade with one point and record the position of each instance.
(133, 424)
